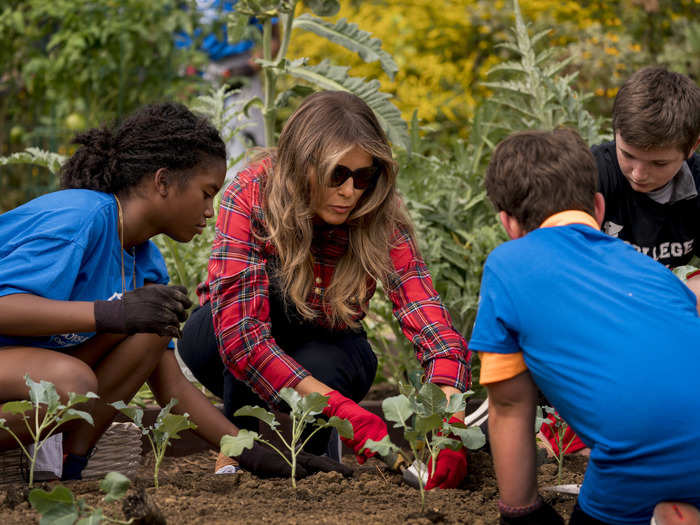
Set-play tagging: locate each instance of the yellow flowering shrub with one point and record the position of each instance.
(444, 48)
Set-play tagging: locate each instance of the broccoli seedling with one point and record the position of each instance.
(42, 427)
(424, 416)
(303, 412)
(559, 428)
(61, 506)
(166, 427)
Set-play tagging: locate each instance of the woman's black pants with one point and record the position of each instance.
(342, 360)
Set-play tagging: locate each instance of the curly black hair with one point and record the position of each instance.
(165, 135)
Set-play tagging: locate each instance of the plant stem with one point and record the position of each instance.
(269, 80)
(420, 480)
(288, 19)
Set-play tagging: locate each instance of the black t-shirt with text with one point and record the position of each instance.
(669, 233)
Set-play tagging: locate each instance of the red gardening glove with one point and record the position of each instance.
(450, 466)
(365, 424)
(548, 431)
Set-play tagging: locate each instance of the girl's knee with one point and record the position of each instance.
(73, 376)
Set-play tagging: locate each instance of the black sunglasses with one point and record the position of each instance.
(362, 178)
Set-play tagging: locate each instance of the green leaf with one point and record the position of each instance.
(17, 407)
(132, 412)
(397, 409)
(472, 437)
(456, 403)
(336, 78)
(297, 90)
(343, 426)
(425, 424)
(74, 399)
(172, 424)
(235, 445)
(258, 412)
(236, 26)
(56, 507)
(445, 442)
(39, 157)
(95, 518)
(43, 392)
(323, 7)
(432, 399)
(313, 402)
(165, 410)
(383, 447)
(115, 485)
(71, 414)
(291, 397)
(350, 37)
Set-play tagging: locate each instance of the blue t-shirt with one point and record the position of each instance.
(611, 338)
(65, 246)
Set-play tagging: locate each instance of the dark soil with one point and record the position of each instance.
(190, 493)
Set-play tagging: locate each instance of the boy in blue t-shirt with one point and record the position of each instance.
(601, 329)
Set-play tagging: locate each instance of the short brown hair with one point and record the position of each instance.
(657, 108)
(535, 174)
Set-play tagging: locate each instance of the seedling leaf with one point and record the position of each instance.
(257, 412)
(313, 402)
(132, 412)
(171, 424)
(343, 426)
(397, 409)
(74, 399)
(93, 519)
(446, 442)
(115, 486)
(432, 398)
(291, 397)
(43, 392)
(17, 407)
(235, 445)
(384, 447)
(457, 403)
(70, 414)
(471, 437)
(323, 7)
(56, 507)
(425, 424)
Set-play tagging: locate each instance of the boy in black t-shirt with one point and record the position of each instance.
(650, 175)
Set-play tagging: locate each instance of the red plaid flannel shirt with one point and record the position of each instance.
(237, 288)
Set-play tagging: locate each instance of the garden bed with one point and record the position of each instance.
(190, 493)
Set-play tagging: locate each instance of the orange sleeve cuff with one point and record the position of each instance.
(500, 367)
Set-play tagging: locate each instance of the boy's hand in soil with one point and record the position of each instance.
(365, 424)
(541, 513)
(155, 308)
(450, 466)
(266, 463)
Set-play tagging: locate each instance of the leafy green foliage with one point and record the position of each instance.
(43, 398)
(303, 413)
(534, 95)
(424, 417)
(60, 507)
(167, 426)
(351, 37)
(38, 157)
(324, 75)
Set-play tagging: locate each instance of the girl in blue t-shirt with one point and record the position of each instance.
(84, 300)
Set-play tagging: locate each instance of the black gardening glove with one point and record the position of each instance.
(156, 308)
(266, 463)
(543, 514)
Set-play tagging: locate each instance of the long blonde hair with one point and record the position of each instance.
(325, 127)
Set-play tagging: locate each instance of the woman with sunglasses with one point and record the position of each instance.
(303, 235)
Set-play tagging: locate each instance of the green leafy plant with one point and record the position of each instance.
(61, 507)
(42, 414)
(324, 75)
(559, 428)
(424, 416)
(303, 413)
(166, 427)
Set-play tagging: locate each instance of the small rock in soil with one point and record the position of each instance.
(14, 495)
